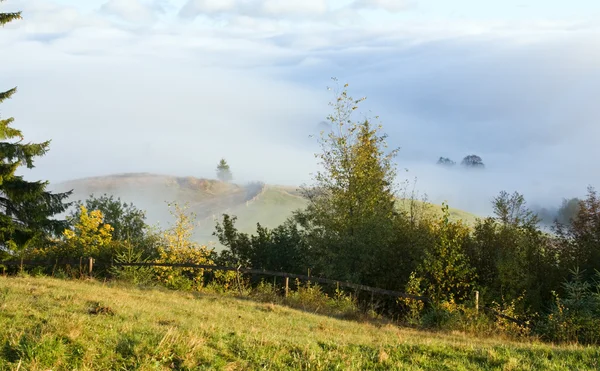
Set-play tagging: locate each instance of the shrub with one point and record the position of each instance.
(177, 247)
(576, 318)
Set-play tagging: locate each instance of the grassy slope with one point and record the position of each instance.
(208, 198)
(46, 325)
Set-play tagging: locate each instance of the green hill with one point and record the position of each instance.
(52, 324)
(251, 203)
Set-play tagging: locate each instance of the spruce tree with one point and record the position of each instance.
(26, 208)
(223, 171)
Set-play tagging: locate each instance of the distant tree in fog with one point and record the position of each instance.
(511, 210)
(445, 161)
(472, 161)
(568, 210)
(223, 171)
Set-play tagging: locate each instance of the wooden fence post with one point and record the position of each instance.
(91, 266)
(287, 286)
(238, 279)
(477, 301)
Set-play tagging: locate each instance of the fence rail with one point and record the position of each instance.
(90, 262)
(223, 268)
(283, 274)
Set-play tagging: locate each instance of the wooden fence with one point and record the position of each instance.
(89, 263)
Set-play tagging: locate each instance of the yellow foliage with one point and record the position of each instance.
(89, 235)
(179, 248)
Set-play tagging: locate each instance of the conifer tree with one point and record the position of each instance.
(26, 208)
(223, 171)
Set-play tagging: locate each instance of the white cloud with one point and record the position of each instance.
(255, 8)
(135, 11)
(294, 7)
(192, 8)
(392, 6)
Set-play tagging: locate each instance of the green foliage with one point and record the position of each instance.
(580, 240)
(223, 171)
(511, 210)
(282, 249)
(350, 213)
(445, 274)
(512, 257)
(133, 274)
(576, 318)
(127, 221)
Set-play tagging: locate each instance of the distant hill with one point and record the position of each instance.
(256, 202)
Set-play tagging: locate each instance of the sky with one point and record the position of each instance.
(171, 86)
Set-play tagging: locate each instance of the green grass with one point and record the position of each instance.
(46, 324)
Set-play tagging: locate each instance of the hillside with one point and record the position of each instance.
(268, 204)
(58, 324)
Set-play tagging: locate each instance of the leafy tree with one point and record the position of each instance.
(580, 240)
(223, 171)
(350, 212)
(445, 161)
(568, 211)
(511, 256)
(127, 221)
(26, 208)
(445, 274)
(472, 161)
(512, 210)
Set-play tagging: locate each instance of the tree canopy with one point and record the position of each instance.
(352, 201)
(445, 161)
(472, 161)
(223, 171)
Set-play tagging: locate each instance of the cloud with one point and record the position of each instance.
(134, 11)
(192, 8)
(255, 8)
(176, 97)
(392, 6)
(294, 7)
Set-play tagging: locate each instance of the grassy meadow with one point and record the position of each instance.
(53, 324)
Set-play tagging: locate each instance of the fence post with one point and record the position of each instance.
(91, 266)
(477, 301)
(287, 285)
(238, 279)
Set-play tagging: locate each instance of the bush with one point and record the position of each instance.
(178, 247)
(576, 318)
(135, 275)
